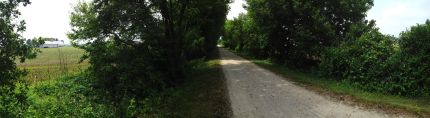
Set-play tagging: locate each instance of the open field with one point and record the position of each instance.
(53, 63)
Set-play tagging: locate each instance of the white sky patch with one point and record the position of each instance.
(236, 8)
(48, 18)
(395, 16)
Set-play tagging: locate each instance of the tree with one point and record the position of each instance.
(235, 33)
(13, 46)
(176, 24)
(212, 14)
(243, 35)
(298, 31)
(137, 48)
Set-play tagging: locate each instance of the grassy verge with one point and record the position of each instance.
(204, 95)
(343, 91)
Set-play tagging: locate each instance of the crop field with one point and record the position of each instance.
(54, 63)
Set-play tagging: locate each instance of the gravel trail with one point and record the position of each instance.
(258, 93)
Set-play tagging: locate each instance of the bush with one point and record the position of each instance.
(244, 36)
(415, 58)
(362, 61)
(13, 47)
(13, 100)
(377, 63)
(77, 96)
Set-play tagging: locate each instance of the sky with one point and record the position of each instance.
(47, 18)
(50, 18)
(236, 8)
(394, 16)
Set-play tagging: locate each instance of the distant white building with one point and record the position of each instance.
(52, 43)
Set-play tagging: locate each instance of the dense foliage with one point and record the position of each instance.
(414, 62)
(242, 35)
(138, 48)
(12, 44)
(66, 97)
(363, 61)
(76, 96)
(334, 38)
(295, 32)
(12, 47)
(383, 63)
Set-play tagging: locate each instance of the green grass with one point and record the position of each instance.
(53, 63)
(419, 106)
(204, 94)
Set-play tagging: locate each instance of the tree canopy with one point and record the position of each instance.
(136, 47)
(297, 31)
(12, 47)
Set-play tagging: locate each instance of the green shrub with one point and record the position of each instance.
(415, 57)
(377, 63)
(362, 61)
(67, 97)
(78, 97)
(13, 100)
(13, 47)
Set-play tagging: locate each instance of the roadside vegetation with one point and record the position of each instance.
(151, 58)
(77, 96)
(333, 40)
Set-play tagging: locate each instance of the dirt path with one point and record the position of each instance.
(257, 93)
